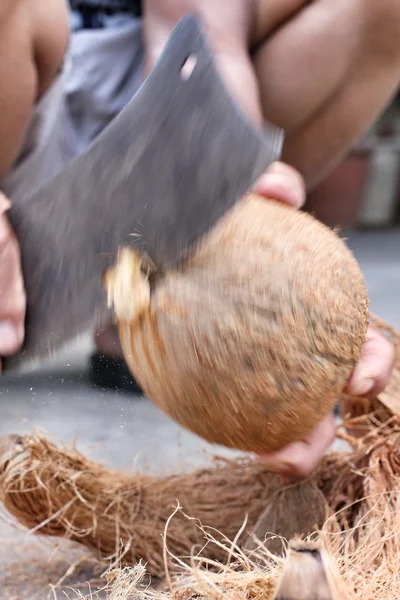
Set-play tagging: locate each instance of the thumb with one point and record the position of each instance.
(374, 369)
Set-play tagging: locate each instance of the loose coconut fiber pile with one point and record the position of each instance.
(353, 503)
(56, 491)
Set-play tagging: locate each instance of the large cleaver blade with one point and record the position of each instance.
(159, 177)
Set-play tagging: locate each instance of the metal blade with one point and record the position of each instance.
(159, 177)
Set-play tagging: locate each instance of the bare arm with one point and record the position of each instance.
(33, 38)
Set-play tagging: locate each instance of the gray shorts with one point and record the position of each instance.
(102, 71)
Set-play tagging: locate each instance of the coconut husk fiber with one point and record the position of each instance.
(250, 342)
(224, 513)
(54, 490)
(306, 574)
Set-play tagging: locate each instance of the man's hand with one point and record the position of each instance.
(12, 293)
(370, 376)
(369, 379)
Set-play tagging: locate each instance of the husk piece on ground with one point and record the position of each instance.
(56, 491)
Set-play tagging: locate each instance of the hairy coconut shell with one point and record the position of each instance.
(251, 342)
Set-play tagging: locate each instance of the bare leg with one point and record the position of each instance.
(325, 73)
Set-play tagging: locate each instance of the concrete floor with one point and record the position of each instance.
(124, 430)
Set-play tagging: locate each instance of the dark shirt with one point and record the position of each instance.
(92, 11)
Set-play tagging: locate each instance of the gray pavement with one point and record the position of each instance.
(123, 430)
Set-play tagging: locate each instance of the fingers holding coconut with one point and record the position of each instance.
(299, 459)
(12, 294)
(372, 373)
(374, 367)
(370, 378)
(283, 183)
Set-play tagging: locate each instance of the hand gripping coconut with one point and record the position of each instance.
(250, 343)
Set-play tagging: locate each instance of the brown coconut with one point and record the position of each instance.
(250, 343)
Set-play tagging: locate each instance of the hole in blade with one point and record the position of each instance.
(188, 66)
